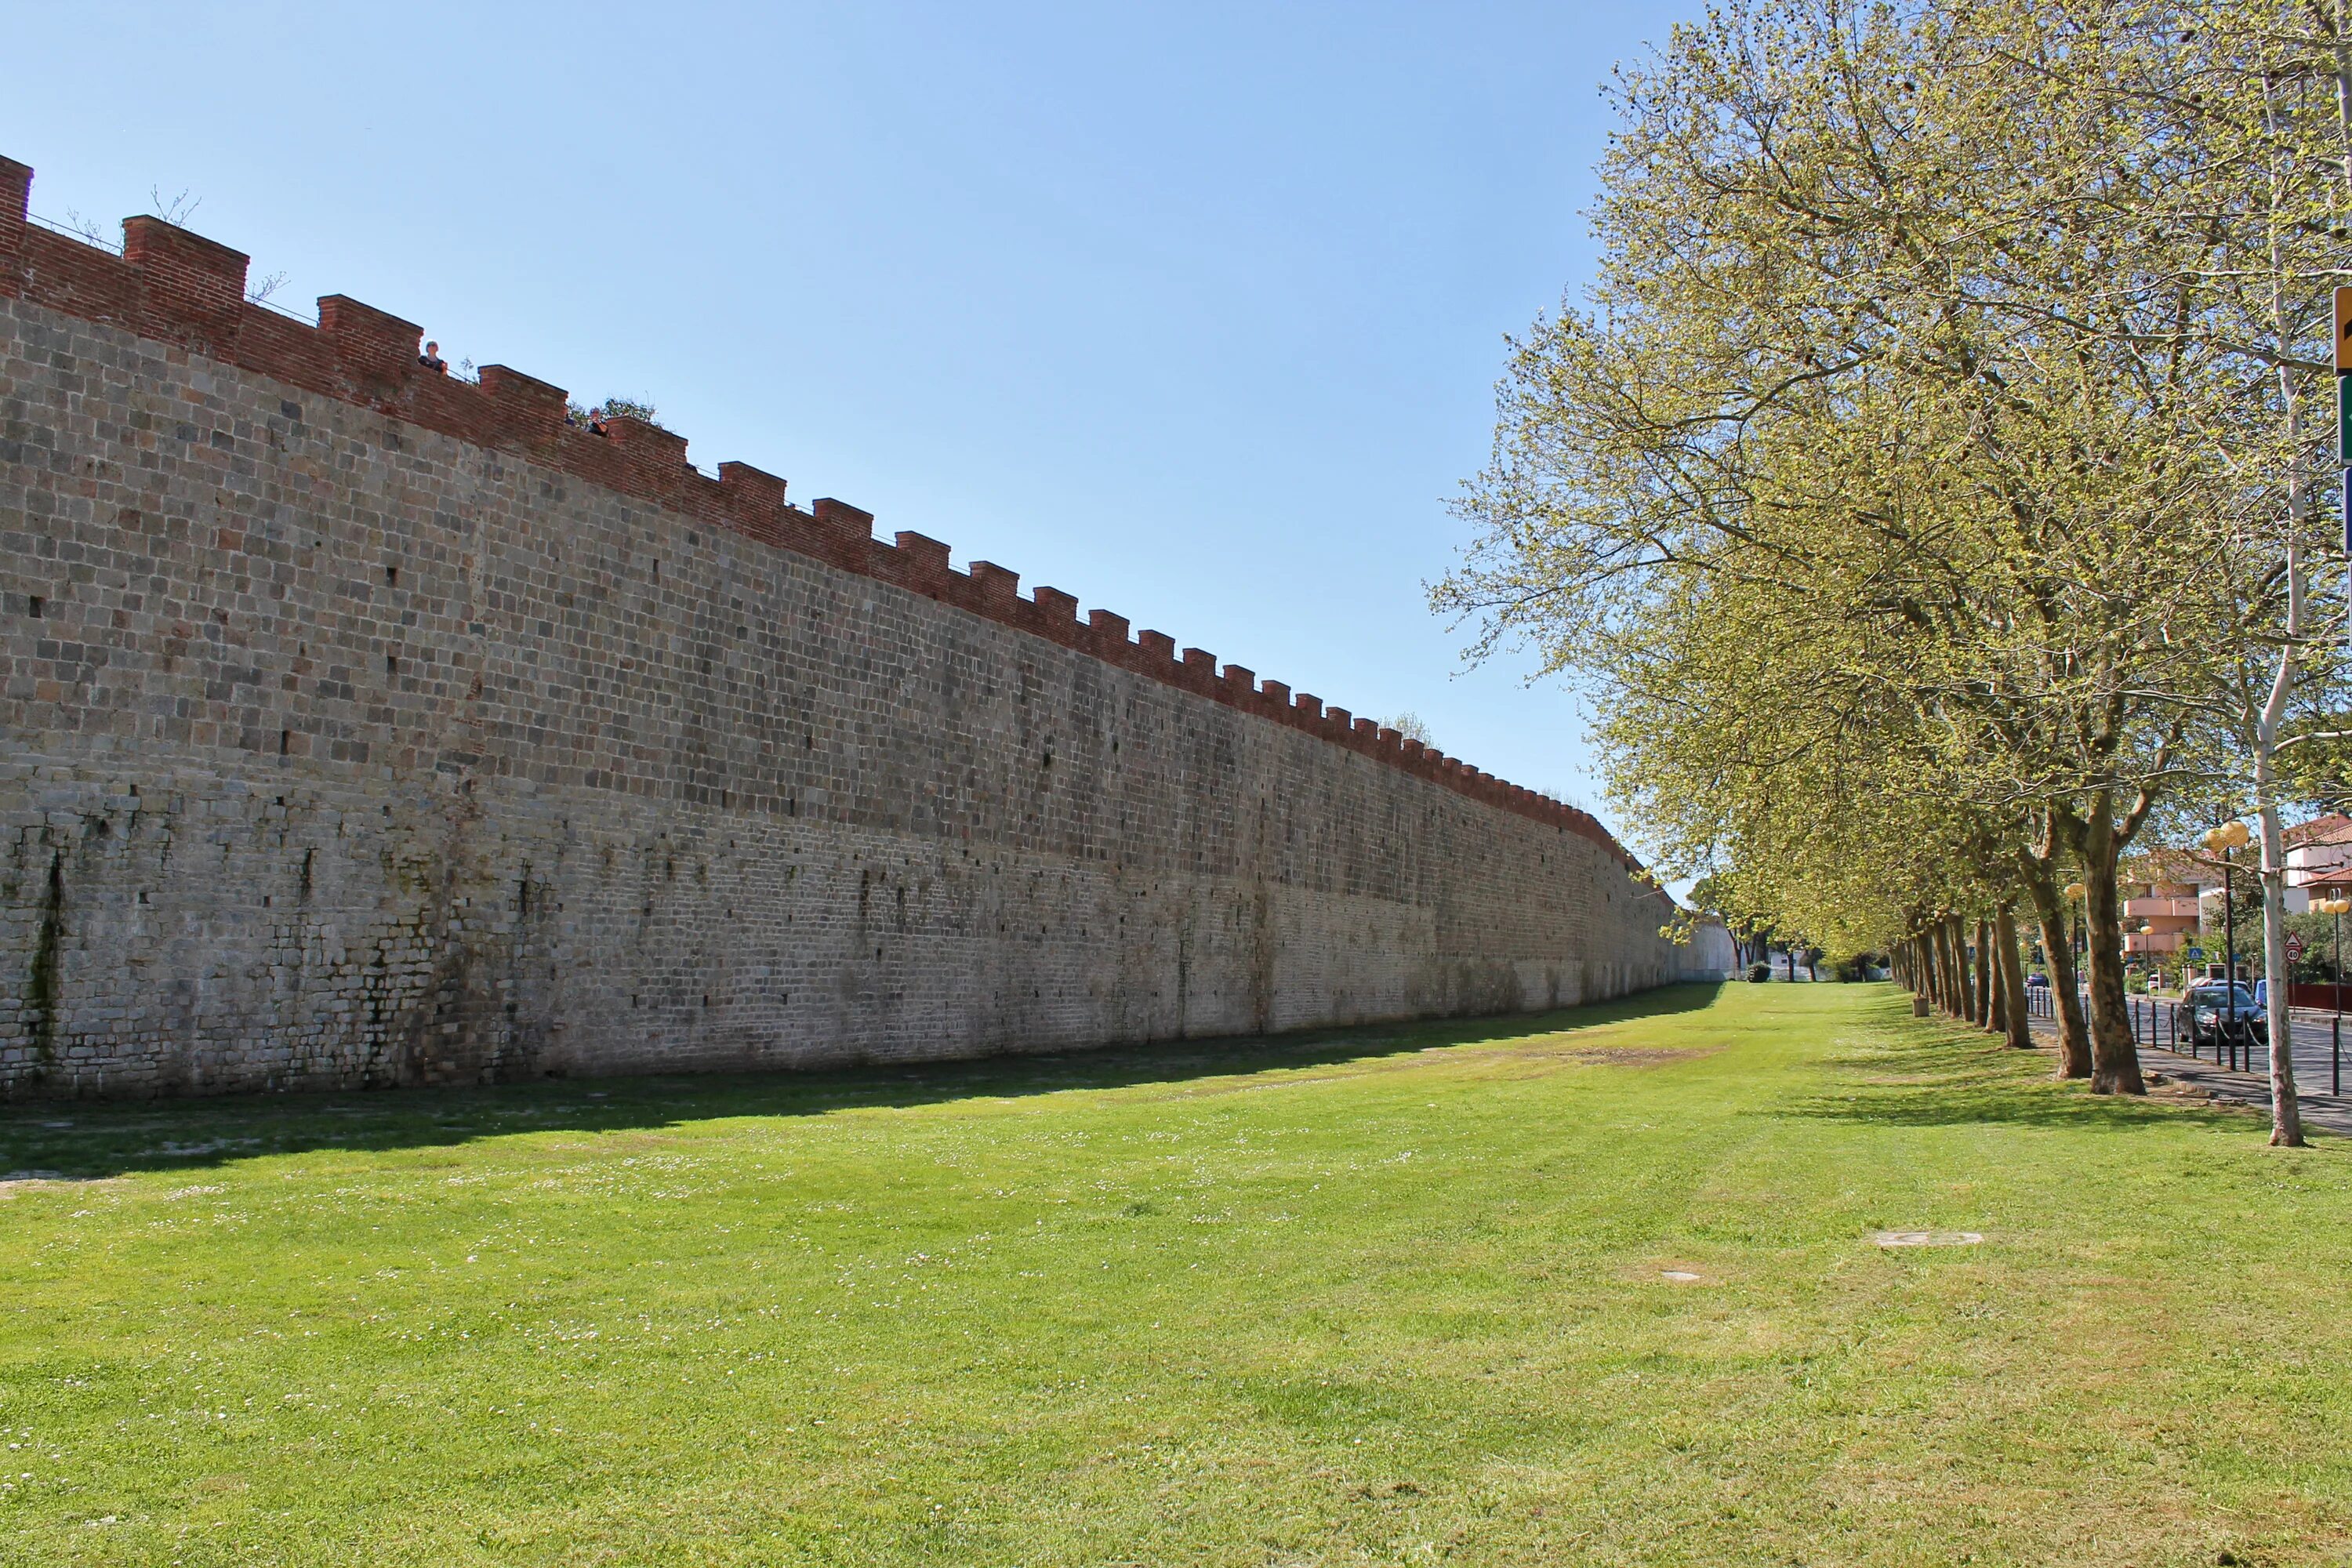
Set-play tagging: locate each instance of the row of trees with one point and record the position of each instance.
(1983, 984)
(1937, 486)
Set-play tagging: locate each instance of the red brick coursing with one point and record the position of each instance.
(179, 288)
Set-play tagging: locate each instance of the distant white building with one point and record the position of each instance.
(1711, 954)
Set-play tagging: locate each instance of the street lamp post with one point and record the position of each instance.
(2336, 907)
(2229, 950)
(2227, 838)
(2229, 916)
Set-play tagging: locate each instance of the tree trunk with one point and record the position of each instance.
(2286, 1113)
(1986, 975)
(2115, 1055)
(2286, 1109)
(1965, 969)
(2037, 870)
(1963, 988)
(2065, 992)
(2017, 1022)
(1948, 965)
(1968, 1014)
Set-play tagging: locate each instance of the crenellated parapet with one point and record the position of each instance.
(176, 287)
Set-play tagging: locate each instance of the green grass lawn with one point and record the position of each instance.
(1387, 1296)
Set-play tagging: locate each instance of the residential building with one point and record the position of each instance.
(2161, 901)
(2319, 858)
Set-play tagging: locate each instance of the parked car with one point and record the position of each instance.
(2037, 978)
(2216, 1011)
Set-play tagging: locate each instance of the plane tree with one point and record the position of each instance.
(1893, 383)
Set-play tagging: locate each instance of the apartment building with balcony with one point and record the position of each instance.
(2163, 902)
(2319, 858)
(2166, 891)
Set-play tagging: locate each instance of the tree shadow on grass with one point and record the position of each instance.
(85, 1140)
(1910, 1075)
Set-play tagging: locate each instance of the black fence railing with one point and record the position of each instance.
(2163, 1025)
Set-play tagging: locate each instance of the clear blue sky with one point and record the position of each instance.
(1190, 309)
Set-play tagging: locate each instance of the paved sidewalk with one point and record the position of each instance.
(2321, 1112)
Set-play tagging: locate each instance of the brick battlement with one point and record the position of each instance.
(179, 287)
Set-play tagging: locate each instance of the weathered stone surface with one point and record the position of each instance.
(335, 751)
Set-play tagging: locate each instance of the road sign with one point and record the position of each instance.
(2294, 947)
(2344, 390)
(2195, 955)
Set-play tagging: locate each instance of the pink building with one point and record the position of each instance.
(2161, 912)
(2319, 858)
(2164, 890)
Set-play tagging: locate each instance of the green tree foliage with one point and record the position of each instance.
(1913, 488)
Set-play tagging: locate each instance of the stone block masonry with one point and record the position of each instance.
(364, 725)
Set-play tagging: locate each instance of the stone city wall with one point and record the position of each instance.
(365, 725)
